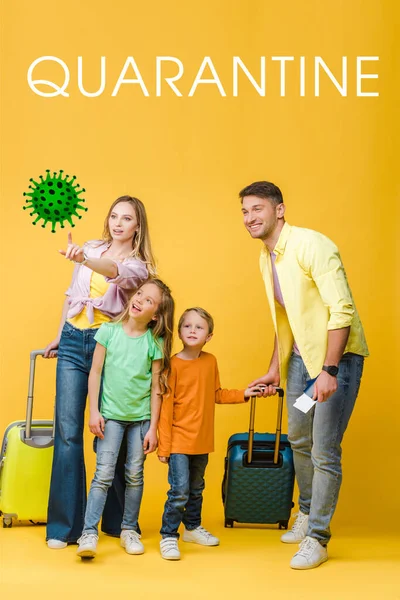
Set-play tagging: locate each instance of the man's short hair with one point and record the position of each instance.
(203, 313)
(263, 189)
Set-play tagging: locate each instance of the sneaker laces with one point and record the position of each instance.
(132, 536)
(87, 536)
(300, 518)
(307, 547)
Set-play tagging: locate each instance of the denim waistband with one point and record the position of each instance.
(91, 332)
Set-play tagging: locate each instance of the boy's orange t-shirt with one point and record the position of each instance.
(186, 423)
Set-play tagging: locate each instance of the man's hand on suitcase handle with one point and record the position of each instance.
(96, 424)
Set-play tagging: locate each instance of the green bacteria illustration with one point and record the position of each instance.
(55, 199)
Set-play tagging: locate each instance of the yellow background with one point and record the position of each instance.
(187, 158)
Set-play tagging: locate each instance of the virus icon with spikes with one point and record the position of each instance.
(55, 199)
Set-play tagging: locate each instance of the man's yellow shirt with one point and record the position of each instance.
(316, 295)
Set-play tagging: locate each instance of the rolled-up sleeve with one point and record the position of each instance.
(71, 285)
(131, 274)
(321, 260)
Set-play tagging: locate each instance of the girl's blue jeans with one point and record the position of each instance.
(107, 454)
(316, 439)
(67, 500)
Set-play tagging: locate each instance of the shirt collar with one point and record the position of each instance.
(283, 238)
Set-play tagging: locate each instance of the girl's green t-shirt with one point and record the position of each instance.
(127, 372)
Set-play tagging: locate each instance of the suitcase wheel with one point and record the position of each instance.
(7, 522)
(283, 524)
(228, 523)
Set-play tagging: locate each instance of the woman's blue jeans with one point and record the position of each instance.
(316, 438)
(107, 453)
(67, 500)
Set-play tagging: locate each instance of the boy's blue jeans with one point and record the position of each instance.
(67, 499)
(185, 496)
(316, 439)
(107, 455)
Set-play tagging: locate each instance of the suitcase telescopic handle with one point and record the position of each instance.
(253, 400)
(29, 404)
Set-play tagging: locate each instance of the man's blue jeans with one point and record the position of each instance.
(316, 439)
(67, 500)
(107, 454)
(185, 496)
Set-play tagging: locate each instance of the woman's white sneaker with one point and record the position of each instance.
(56, 544)
(200, 536)
(298, 531)
(87, 545)
(169, 548)
(311, 554)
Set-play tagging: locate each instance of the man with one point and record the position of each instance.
(318, 336)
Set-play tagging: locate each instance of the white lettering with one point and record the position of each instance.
(341, 88)
(282, 60)
(169, 80)
(59, 91)
(302, 76)
(130, 62)
(361, 76)
(237, 62)
(102, 78)
(207, 62)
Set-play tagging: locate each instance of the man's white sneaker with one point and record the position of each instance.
(87, 545)
(310, 555)
(298, 531)
(169, 548)
(56, 544)
(200, 536)
(130, 540)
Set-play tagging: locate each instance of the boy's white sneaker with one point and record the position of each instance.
(298, 531)
(200, 536)
(311, 554)
(87, 545)
(56, 544)
(130, 540)
(169, 548)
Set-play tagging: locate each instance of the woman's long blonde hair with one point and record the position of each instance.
(162, 327)
(141, 246)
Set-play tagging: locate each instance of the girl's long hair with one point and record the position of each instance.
(163, 328)
(141, 246)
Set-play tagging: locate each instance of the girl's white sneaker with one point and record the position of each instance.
(130, 540)
(87, 545)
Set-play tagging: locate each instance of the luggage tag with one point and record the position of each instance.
(305, 401)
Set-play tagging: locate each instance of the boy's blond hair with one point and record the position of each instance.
(203, 313)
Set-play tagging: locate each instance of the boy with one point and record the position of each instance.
(186, 430)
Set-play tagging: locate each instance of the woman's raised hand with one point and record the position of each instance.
(73, 252)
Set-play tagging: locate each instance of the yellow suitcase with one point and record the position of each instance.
(25, 464)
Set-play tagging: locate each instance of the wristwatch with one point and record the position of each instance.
(331, 370)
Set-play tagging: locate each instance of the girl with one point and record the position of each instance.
(135, 352)
(105, 271)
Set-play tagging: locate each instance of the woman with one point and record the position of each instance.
(105, 273)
